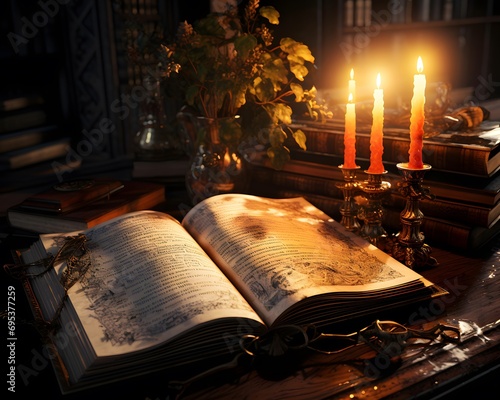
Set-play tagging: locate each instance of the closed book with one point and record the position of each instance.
(13, 103)
(133, 196)
(71, 195)
(28, 137)
(452, 210)
(460, 188)
(22, 119)
(34, 154)
(475, 152)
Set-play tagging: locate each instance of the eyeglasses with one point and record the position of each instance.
(72, 252)
(75, 253)
(379, 335)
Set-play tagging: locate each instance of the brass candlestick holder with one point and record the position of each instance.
(349, 209)
(409, 247)
(372, 212)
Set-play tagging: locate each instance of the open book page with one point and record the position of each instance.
(148, 281)
(280, 251)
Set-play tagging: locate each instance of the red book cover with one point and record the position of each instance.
(71, 195)
(134, 196)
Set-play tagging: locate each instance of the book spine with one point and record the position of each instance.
(456, 212)
(274, 178)
(349, 13)
(434, 231)
(439, 156)
(19, 121)
(445, 186)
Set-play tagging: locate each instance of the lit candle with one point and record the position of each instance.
(350, 135)
(376, 136)
(417, 118)
(352, 86)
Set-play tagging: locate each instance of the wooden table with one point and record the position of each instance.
(470, 367)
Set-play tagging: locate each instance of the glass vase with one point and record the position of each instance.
(154, 140)
(216, 166)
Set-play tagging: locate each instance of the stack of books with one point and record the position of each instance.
(30, 140)
(464, 179)
(83, 203)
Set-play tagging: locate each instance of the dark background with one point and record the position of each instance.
(77, 59)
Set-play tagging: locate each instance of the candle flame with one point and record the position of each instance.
(352, 73)
(227, 159)
(420, 65)
(378, 81)
(350, 98)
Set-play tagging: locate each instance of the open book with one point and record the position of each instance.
(157, 294)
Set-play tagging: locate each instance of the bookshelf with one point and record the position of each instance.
(455, 39)
(83, 65)
(73, 57)
(84, 69)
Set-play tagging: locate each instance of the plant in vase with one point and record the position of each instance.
(227, 65)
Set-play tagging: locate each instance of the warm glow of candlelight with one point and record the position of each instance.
(350, 135)
(227, 159)
(420, 65)
(417, 118)
(352, 85)
(376, 136)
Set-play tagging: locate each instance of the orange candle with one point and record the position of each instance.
(417, 118)
(352, 86)
(350, 135)
(376, 136)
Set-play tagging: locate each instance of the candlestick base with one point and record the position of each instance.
(408, 245)
(372, 212)
(349, 209)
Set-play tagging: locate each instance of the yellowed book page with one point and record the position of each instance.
(148, 282)
(279, 251)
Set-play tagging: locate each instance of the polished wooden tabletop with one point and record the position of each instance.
(441, 370)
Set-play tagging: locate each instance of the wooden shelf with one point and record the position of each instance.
(428, 25)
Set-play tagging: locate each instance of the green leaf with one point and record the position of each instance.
(278, 156)
(302, 51)
(264, 90)
(276, 136)
(271, 14)
(274, 69)
(312, 92)
(282, 113)
(240, 98)
(300, 138)
(299, 70)
(296, 49)
(244, 44)
(298, 91)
